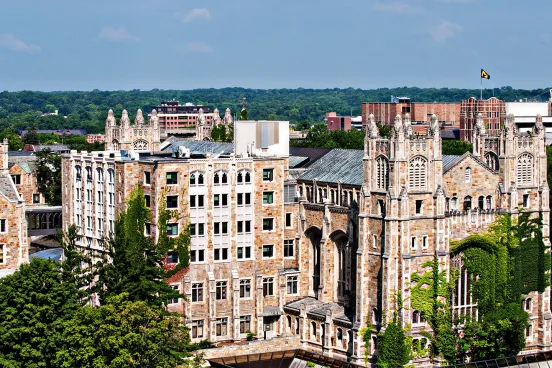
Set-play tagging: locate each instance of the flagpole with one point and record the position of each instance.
(481, 82)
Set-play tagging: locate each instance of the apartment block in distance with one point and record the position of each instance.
(420, 113)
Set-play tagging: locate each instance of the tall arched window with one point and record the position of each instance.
(196, 178)
(489, 202)
(467, 203)
(382, 172)
(525, 169)
(492, 160)
(417, 173)
(468, 175)
(481, 202)
(454, 204)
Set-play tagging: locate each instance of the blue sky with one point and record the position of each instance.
(185, 44)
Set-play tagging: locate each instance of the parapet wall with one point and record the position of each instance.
(254, 347)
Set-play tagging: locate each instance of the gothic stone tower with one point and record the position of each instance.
(401, 220)
(139, 137)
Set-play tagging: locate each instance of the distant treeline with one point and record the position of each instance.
(88, 110)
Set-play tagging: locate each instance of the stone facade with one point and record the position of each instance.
(14, 246)
(139, 137)
(319, 252)
(23, 172)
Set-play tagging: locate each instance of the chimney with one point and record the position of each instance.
(4, 156)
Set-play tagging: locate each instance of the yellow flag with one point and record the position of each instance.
(485, 75)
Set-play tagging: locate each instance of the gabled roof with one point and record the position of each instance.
(202, 147)
(337, 165)
(7, 188)
(313, 154)
(450, 161)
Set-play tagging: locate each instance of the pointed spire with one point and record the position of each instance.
(372, 127)
(110, 121)
(398, 124)
(407, 124)
(125, 121)
(433, 125)
(139, 120)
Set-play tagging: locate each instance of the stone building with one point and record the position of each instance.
(138, 137)
(315, 245)
(14, 246)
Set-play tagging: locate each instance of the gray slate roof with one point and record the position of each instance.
(338, 164)
(202, 147)
(27, 163)
(296, 161)
(450, 160)
(7, 188)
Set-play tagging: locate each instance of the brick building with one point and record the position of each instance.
(335, 122)
(177, 119)
(420, 113)
(492, 110)
(316, 244)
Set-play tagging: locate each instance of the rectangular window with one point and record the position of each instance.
(220, 200)
(197, 292)
(197, 201)
(292, 287)
(36, 198)
(245, 324)
(197, 255)
(172, 258)
(375, 244)
(268, 197)
(220, 254)
(174, 300)
(244, 252)
(244, 199)
(419, 206)
(172, 229)
(3, 225)
(197, 229)
(172, 201)
(147, 178)
(413, 243)
(220, 290)
(288, 219)
(147, 199)
(245, 288)
(2, 253)
(221, 326)
(268, 174)
(172, 178)
(244, 227)
(147, 230)
(268, 286)
(16, 179)
(268, 224)
(268, 251)
(288, 247)
(526, 201)
(424, 242)
(197, 329)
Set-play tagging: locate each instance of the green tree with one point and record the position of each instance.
(31, 137)
(14, 140)
(394, 349)
(456, 147)
(48, 174)
(122, 333)
(218, 133)
(135, 263)
(34, 303)
(243, 114)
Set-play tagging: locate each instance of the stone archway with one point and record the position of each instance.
(315, 236)
(342, 264)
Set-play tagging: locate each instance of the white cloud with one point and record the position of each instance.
(398, 8)
(198, 47)
(10, 42)
(117, 35)
(197, 14)
(445, 30)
